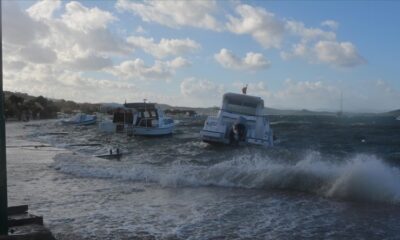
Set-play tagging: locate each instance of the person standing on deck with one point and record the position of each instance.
(244, 89)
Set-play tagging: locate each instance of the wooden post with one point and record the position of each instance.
(3, 162)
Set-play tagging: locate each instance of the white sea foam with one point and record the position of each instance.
(363, 177)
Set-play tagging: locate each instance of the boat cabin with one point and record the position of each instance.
(241, 119)
(242, 104)
(146, 114)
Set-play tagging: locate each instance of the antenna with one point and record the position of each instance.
(145, 110)
(340, 113)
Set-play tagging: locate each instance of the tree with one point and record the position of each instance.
(16, 105)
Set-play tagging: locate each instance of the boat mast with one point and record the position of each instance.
(341, 102)
(145, 110)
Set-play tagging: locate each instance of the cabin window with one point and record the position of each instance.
(154, 123)
(168, 121)
(153, 114)
(241, 106)
(118, 117)
(241, 109)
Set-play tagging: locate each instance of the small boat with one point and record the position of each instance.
(80, 119)
(239, 121)
(149, 120)
(111, 155)
(141, 118)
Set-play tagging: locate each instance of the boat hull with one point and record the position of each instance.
(213, 137)
(150, 131)
(219, 138)
(84, 123)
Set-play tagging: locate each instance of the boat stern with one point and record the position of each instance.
(213, 131)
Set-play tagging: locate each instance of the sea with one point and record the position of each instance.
(327, 177)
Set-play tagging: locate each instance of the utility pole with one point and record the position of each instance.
(3, 162)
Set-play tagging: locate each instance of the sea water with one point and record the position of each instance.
(326, 178)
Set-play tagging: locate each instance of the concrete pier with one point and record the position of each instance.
(23, 225)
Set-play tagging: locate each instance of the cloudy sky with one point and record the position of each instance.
(294, 55)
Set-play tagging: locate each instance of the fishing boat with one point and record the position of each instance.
(141, 118)
(149, 120)
(239, 121)
(80, 119)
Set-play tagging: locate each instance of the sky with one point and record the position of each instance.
(293, 54)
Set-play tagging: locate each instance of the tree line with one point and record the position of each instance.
(23, 107)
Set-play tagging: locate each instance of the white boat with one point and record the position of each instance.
(139, 119)
(239, 121)
(149, 120)
(80, 119)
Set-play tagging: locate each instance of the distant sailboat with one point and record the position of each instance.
(340, 113)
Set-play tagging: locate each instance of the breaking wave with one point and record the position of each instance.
(362, 177)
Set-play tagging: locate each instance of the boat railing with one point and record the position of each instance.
(252, 115)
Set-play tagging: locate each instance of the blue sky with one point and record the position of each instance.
(294, 54)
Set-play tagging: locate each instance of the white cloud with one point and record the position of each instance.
(262, 25)
(252, 61)
(315, 44)
(331, 24)
(297, 95)
(166, 47)
(201, 92)
(41, 49)
(44, 9)
(341, 54)
(298, 50)
(77, 39)
(137, 69)
(90, 62)
(178, 62)
(333, 53)
(18, 27)
(37, 54)
(80, 18)
(358, 96)
(303, 94)
(49, 46)
(175, 14)
(55, 82)
(140, 29)
(319, 46)
(308, 34)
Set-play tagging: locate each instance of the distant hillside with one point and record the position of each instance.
(67, 106)
(268, 111)
(393, 113)
(273, 111)
(24, 107)
(25, 96)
